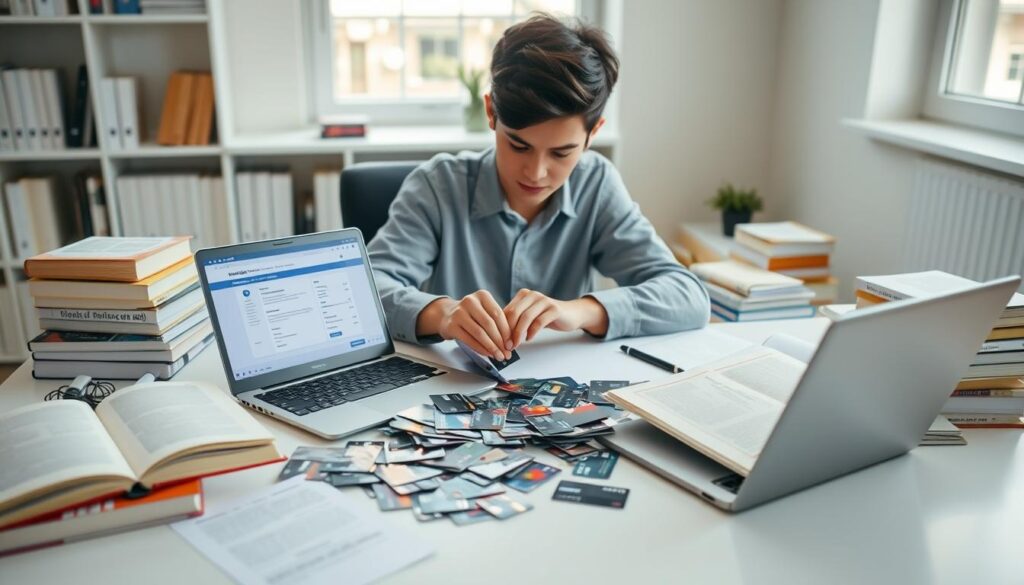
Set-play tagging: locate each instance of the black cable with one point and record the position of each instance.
(93, 393)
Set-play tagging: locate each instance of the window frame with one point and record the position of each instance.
(989, 114)
(412, 111)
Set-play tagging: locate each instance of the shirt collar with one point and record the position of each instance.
(489, 198)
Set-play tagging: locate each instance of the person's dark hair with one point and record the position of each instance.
(543, 69)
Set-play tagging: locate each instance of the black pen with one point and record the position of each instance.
(645, 357)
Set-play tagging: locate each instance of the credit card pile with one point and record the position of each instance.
(462, 457)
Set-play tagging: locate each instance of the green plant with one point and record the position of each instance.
(473, 81)
(730, 198)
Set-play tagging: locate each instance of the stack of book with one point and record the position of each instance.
(991, 393)
(791, 249)
(117, 308)
(72, 473)
(740, 292)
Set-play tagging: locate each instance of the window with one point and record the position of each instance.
(979, 60)
(398, 60)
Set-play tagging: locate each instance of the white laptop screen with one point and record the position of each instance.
(282, 308)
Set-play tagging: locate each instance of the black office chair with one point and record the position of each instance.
(367, 190)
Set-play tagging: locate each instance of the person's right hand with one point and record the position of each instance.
(480, 323)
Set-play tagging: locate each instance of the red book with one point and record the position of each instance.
(107, 516)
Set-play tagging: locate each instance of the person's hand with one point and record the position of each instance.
(478, 321)
(530, 311)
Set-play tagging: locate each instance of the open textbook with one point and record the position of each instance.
(59, 454)
(725, 409)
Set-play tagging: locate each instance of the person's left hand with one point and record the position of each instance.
(530, 311)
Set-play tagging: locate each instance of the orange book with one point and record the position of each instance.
(109, 259)
(990, 383)
(142, 291)
(758, 259)
(201, 121)
(103, 517)
(868, 298)
(1005, 333)
(177, 109)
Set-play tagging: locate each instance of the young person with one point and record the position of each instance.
(491, 247)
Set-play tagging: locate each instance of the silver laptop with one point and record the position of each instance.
(303, 337)
(872, 389)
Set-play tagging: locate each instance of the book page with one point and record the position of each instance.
(725, 410)
(151, 422)
(52, 442)
(104, 247)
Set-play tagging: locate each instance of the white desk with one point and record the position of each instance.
(938, 515)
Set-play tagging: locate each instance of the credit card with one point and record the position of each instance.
(547, 424)
(461, 457)
(502, 364)
(396, 475)
(470, 517)
(531, 477)
(503, 506)
(596, 465)
(388, 500)
(494, 470)
(450, 403)
(437, 502)
(583, 414)
(595, 393)
(452, 422)
(587, 493)
(487, 419)
(347, 479)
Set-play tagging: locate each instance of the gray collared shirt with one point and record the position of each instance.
(451, 232)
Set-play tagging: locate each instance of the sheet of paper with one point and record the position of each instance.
(300, 532)
(690, 349)
(101, 247)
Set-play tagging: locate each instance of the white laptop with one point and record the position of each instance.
(303, 337)
(869, 393)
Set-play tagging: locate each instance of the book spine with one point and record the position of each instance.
(989, 393)
(12, 93)
(55, 107)
(880, 291)
(6, 129)
(127, 7)
(128, 111)
(101, 315)
(984, 419)
(108, 103)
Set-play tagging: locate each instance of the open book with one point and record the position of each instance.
(726, 409)
(58, 454)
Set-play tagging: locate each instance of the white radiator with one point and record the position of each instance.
(964, 221)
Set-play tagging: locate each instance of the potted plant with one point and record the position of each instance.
(737, 205)
(473, 114)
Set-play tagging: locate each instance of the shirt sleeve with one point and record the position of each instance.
(403, 255)
(656, 294)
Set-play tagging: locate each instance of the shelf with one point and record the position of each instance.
(132, 19)
(378, 139)
(73, 19)
(156, 151)
(982, 148)
(12, 358)
(35, 155)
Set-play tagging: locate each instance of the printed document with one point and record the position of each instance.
(301, 532)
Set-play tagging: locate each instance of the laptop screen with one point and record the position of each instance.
(280, 308)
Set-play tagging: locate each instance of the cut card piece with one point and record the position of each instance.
(488, 419)
(396, 475)
(583, 415)
(494, 439)
(388, 500)
(558, 394)
(451, 403)
(459, 458)
(423, 414)
(547, 424)
(468, 517)
(474, 478)
(493, 471)
(594, 495)
(503, 506)
(347, 479)
(451, 422)
(438, 502)
(595, 393)
(481, 362)
(531, 477)
(502, 364)
(411, 455)
(596, 465)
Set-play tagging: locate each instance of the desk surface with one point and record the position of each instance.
(937, 515)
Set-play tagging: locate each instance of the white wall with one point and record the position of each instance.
(823, 174)
(696, 90)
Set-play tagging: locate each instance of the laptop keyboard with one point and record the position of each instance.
(349, 385)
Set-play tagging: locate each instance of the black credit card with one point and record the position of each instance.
(450, 403)
(597, 389)
(502, 364)
(588, 493)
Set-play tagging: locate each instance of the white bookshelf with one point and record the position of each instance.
(254, 49)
